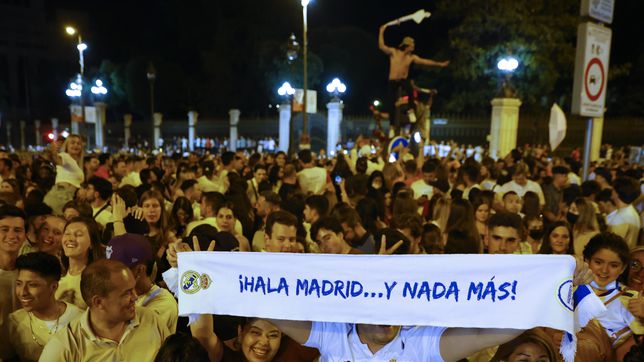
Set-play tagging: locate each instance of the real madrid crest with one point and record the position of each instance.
(192, 282)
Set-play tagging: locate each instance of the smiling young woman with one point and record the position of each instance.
(607, 255)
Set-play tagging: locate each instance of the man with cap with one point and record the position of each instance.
(399, 61)
(136, 253)
(112, 328)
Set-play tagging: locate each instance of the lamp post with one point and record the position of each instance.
(75, 91)
(71, 31)
(152, 76)
(285, 139)
(305, 140)
(334, 115)
(99, 91)
(505, 111)
(507, 66)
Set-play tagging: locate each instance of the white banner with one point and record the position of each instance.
(483, 291)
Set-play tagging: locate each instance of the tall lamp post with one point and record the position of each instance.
(71, 31)
(305, 140)
(334, 116)
(152, 76)
(285, 126)
(99, 91)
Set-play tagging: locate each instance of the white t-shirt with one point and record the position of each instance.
(625, 222)
(104, 216)
(69, 171)
(339, 342)
(312, 180)
(420, 188)
(521, 190)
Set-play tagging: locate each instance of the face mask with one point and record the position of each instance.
(537, 234)
(376, 186)
(572, 218)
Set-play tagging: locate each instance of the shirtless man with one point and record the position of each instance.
(399, 61)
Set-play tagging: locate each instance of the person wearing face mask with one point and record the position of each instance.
(534, 236)
(581, 216)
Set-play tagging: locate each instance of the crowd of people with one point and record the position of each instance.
(86, 240)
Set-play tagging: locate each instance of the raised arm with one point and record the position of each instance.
(381, 41)
(459, 343)
(299, 331)
(429, 62)
(202, 330)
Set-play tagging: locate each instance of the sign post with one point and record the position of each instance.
(591, 68)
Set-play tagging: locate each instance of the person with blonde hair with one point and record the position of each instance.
(69, 172)
(521, 184)
(583, 219)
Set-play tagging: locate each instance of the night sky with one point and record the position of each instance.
(178, 32)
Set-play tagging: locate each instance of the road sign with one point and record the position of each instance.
(591, 70)
(601, 10)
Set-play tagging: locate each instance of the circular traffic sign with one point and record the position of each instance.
(594, 79)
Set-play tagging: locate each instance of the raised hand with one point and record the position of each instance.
(583, 274)
(383, 247)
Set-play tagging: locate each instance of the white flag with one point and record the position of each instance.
(557, 125)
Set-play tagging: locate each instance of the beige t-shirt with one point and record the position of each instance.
(69, 290)
(8, 303)
(29, 335)
(163, 303)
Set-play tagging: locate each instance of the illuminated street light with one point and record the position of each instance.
(75, 88)
(99, 89)
(286, 89)
(293, 47)
(71, 31)
(508, 64)
(336, 86)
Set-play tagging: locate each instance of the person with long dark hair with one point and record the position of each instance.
(81, 246)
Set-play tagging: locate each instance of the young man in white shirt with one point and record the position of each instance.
(521, 184)
(626, 221)
(312, 179)
(98, 192)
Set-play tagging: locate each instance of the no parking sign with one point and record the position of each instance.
(591, 69)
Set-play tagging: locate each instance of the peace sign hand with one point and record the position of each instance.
(383, 246)
(179, 247)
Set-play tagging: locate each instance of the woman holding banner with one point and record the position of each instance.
(608, 255)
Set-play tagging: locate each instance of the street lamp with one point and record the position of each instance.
(336, 88)
(507, 66)
(305, 134)
(286, 90)
(71, 31)
(151, 74)
(99, 89)
(292, 48)
(75, 88)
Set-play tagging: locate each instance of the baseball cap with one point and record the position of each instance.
(129, 249)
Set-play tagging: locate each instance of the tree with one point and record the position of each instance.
(540, 33)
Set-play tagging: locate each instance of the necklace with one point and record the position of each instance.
(31, 328)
